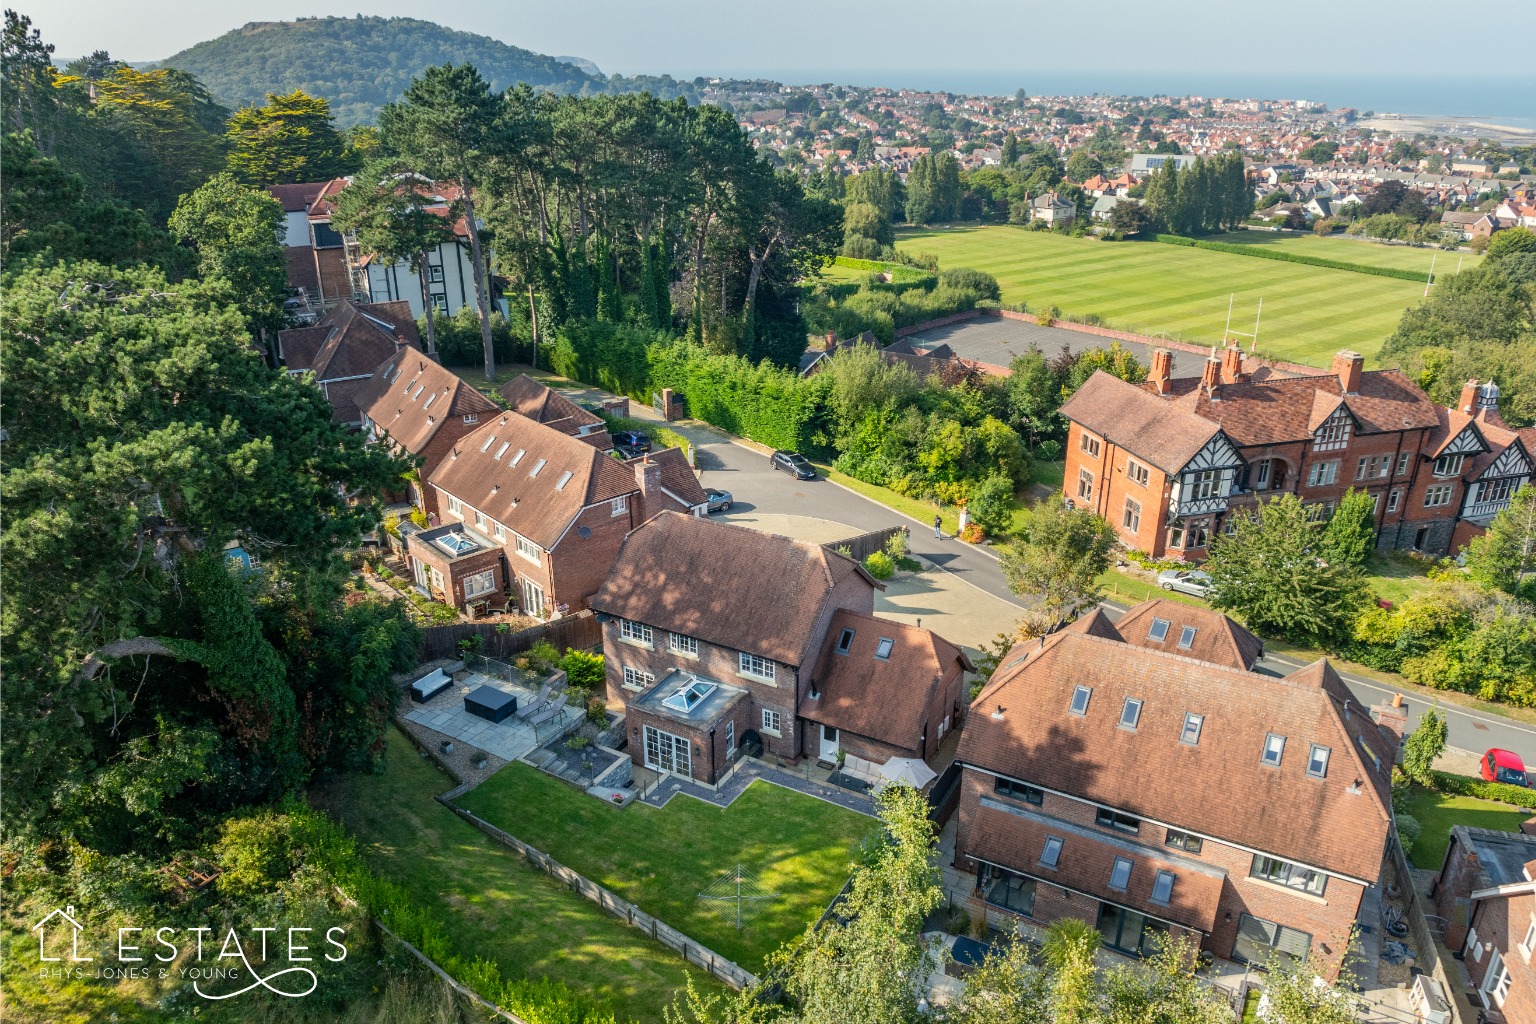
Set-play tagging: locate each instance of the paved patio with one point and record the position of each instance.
(510, 739)
(660, 789)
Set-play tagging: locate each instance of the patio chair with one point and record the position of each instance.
(534, 705)
(550, 711)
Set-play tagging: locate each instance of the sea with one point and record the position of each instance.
(1507, 100)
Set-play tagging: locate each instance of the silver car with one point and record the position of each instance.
(1185, 581)
(717, 501)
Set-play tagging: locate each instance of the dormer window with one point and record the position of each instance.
(845, 641)
(1333, 434)
(1130, 713)
(883, 648)
(1274, 749)
(1080, 698)
(1187, 637)
(470, 417)
(1159, 630)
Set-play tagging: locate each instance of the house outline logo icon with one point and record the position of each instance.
(68, 914)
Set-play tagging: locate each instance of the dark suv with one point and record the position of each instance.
(793, 464)
(633, 439)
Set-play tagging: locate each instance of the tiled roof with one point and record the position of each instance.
(727, 585)
(297, 197)
(886, 699)
(1149, 427)
(533, 496)
(299, 261)
(299, 345)
(1218, 787)
(1217, 639)
(359, 338)
(528, 397)
(396, 398)
(678, 480)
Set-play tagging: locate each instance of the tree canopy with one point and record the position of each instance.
(290, 138)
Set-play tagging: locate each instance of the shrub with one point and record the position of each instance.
(1050, 450)
(1408, 830)
(973, 534)
(880, 565)
(542, 657)
(1465, 785)
(583, 669)
(991, 505)
(983, 284)
(896, 545)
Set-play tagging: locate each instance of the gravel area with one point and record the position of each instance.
(461, 762)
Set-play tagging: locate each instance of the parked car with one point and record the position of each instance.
(1185, 581)
(635, 439)
(717, 501)
(1503, 766)
(793, 464)
(628, 451)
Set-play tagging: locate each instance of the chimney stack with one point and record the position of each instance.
(1349, 367)
(1212, 373)
(1469, 394)
(1162, 370)
(648, 477)
(1488, 404)
(1232, 364)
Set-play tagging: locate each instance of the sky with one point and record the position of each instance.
(847, 41)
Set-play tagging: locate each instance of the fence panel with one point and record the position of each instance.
(727, 971)
(580, 630)
(866, 544)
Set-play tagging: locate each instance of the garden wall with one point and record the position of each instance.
(695, 953)
(579, 630)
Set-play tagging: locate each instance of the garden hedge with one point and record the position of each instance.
(1501, 792)
(1289, 257)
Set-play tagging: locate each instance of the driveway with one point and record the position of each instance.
(758, 490)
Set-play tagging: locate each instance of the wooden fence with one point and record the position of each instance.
(580, 631)
(866, 544)
(695, 953)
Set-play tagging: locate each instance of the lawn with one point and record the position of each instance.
(1354, 250)
(1395, 578)
(1150, 288)
(659, 859)
(493, 904)
(1437, 812)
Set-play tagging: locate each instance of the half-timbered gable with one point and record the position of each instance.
(1204, 482)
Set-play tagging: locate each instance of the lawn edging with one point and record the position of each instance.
(696, 953)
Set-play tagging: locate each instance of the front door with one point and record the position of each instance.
(665, 752)
(828, 743)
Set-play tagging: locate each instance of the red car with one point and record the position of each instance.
(1503, 766)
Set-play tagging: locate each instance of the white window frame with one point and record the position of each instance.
(638, 678)
(1261, 474)
(773, 722)
(528, 549)
(1137, 473)
(455, 507)
(1088, 443)
(1323, 474)
(634, 632)
(619, 506)
(1439, 495)
(1394, 499)
(1333, 435)
(682, 643)
(1449, 465)
(1205, 484)
(730, 737)
(1528, 944)
(434, 273)
(755, 666)
(484, 583)
(1402, 462)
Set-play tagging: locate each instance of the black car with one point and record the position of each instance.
(631, 439)
(628, 451)
(793, 464)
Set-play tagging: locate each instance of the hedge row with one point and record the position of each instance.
(896, 270)
(1502, 792)
(763, 402)
(1289, 257)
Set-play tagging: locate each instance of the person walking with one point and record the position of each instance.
(938, 527)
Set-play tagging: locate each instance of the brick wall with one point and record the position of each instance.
(708, 758)
(578, 565)
(1501, 924)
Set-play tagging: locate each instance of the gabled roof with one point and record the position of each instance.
(1217, 787)
(679, 484)
(727, 585)
(296, 198)
(886, 699)
(1451, 424)
(1155, 430)
(528, 397)
(530, 492)
(396, 400)
(1217, 639)
(356, 339)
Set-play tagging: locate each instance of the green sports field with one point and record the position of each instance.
(1355, 250)
(1150, 288)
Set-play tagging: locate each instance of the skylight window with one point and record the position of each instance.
(565, 478)
(1080, 698)
(1051, 855)
(1192, 725)
(536, 467)
(502, 450)
(488, 442)
(1187, 637)
(1159, 630)
(417, 393)
(1274, 749)
(1130, 713)
(845, 641)
(519, 456)
(1317, 762)
(430, 399)
(689, 696)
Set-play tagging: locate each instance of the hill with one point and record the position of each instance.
(361, 63)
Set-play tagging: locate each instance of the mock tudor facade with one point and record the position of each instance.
(1167, 462)
(719, 638)
(1148, 792)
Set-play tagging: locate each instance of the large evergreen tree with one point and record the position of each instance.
(290, 138)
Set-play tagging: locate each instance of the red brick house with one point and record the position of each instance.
(719, 638)
(1166, 462)
(342, 351)
(1148, 792)
(1486, 893)
(527, 397)
(557, 508)
(421, 409)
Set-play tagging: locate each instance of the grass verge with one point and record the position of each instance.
(659, 859)
(494, 905)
